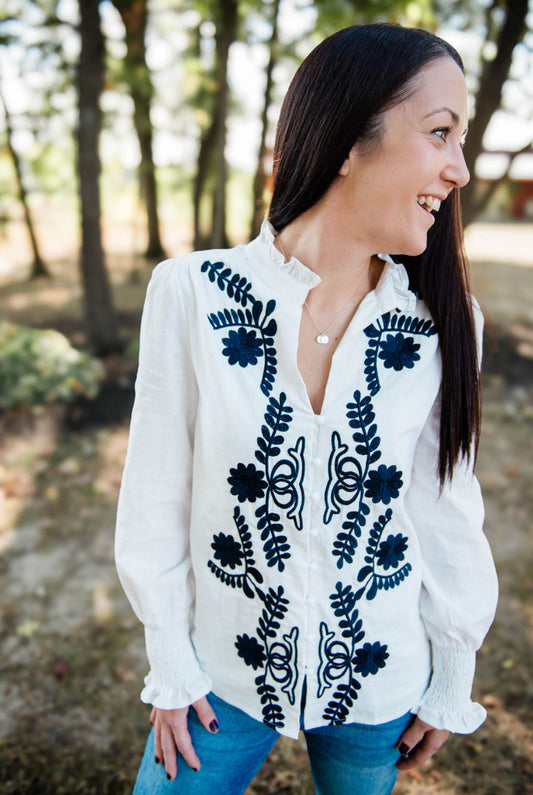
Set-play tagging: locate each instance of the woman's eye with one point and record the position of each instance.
(442, 132)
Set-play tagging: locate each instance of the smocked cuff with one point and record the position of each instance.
(446, 703)
(175, 679)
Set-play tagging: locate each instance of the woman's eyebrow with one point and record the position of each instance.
(453, 114)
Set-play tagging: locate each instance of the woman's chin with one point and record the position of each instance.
(413, 249)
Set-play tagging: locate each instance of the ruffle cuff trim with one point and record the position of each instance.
(175, 679)
(446, 704)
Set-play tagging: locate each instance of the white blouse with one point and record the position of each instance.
(262, 545)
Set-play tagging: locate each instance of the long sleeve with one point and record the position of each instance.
(152, 536)
(459, 584)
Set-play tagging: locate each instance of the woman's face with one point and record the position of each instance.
(388, 197)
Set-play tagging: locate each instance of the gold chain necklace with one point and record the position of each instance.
(322, 338)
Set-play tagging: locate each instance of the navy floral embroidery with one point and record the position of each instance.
(227, 550)
(342, 659)
(370, 658)
(390, 551)
(276, 656)
(242, 347)
(235, 554)
(247, 482)
(253, 338)
(386, 555)
(251, 651)
(383, 484)
(351, 480)
(280, 482)
(396, 350)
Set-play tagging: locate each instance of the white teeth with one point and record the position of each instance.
(430, 202)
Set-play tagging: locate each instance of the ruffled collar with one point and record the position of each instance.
(391, 291)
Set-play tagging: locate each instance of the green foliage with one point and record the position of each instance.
(339, 14)
(42, 367)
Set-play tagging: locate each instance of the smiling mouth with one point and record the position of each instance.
(429, 203)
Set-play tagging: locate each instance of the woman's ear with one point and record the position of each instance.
(344, 170)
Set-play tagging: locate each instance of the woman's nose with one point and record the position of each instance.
(456, 170)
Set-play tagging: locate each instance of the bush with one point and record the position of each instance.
(42, 367)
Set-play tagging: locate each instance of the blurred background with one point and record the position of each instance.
(133, 130)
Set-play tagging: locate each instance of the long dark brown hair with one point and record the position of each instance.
(338, 96)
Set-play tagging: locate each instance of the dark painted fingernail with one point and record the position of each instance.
(157, 760)
(169, 776)
(213, 726)
(196, 769)
(403, 749)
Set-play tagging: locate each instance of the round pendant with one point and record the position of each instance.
(322, 339)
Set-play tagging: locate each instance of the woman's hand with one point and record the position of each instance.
(418, 744)
(171, 732)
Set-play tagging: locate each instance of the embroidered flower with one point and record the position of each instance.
(383, 484)
(251, 651)
(370, 658)
(247, 482)
(227, 550)
(390, 552)
(242, 347)
(399, 352)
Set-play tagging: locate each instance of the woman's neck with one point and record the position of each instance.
(315, 239)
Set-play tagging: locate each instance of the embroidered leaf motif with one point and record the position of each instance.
(397, 350)
(277, 656)
(233, 554)
(277, 484)
(283, 481)
(386, 554)
(340, 659)
(237, 287)
(253, 338)
(351, 480)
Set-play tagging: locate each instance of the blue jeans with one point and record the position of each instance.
(351, 759)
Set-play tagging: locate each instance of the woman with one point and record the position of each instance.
(299, 528)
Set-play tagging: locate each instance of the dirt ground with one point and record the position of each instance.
(71, 650)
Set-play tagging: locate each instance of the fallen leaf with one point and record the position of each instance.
(491, 701)
(103, 609)
(70, 466)
(124, 674)
(27, 628)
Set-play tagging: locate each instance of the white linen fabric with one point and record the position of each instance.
(262, 545)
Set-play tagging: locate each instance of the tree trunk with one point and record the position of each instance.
(205, 157)
(101, 321)
(488, 98)
(212, 156)
(38, 268)
(224, 37)
(260, 176)
(134, 14)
